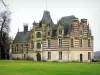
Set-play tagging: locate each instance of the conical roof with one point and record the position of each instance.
(47, 18)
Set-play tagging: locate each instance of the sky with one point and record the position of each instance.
(26, 11)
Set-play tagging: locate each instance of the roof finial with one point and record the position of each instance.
(18, 29)
(46, 5)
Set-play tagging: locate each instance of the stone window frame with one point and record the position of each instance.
(60, 42)
(89, 43)
(49, 55)
(81, 42)
(22, 46)
(38, 45)
(60, 55)
(38, 34)
(48, 33)
(32, 44)
(60, 32)
(72, 42)
(48, 43)
(89, 55)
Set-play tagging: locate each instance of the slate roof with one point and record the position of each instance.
(22, 37)
(66, 21)
(47, 18)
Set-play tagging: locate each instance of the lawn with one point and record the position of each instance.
(21, 67)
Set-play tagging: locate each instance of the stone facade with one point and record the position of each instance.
(55, 42)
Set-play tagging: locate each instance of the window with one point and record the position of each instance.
(60, 32)
(21, 48)
(16, 48)
(80, 42)
(60, 55)
(49, 43)
(72, 43)
(48, 33)
(38, 46)
(88, 42)
(49, 55)
(89, 55)
(38, 35)
(12, 49)
(60, 42)
(32, 45)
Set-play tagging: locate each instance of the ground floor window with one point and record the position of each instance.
(89, 55)
(60, 55)
(49, 55)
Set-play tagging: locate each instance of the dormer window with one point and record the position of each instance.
(38, 35)
(60, 32)
(48, 33)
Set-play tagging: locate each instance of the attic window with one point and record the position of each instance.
(60, 32)
(48, 33)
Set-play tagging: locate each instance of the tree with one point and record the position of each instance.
(4, 32)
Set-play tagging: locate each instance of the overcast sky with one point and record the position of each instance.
(26, 11)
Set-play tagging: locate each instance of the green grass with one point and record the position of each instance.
(21, 67)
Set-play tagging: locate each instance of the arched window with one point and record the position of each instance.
(32, 45)
(38, 35)
(48, 33)
(38, 46)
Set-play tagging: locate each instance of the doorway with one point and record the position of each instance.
(81, 58)
(38, 57)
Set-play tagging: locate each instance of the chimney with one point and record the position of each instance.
(84, 21)
(25, 27)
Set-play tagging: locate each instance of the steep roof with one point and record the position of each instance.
(47, 18)
(67, 21)
(22, 37)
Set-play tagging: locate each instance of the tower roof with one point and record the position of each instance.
(47, 18)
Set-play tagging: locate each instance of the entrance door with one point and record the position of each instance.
(38, 57)
(81, 58)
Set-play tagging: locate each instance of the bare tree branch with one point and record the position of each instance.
(5, 5)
